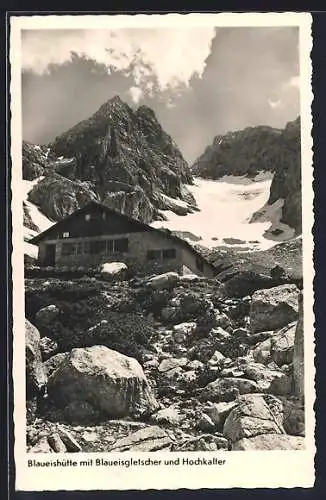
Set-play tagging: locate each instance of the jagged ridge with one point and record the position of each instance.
(244, 152)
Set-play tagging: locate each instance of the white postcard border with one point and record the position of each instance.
(271, 469)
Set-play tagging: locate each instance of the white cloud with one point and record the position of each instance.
(169, 56)
(136, 94)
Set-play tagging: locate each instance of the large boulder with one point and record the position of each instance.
(246, 283)
(182, 331)
(269, 380)
(274, 308)
(35, 374)
(223, 388)
(267, 442)
(254, 415)
(167, 416)
(109, 381)
(113, 270)
(164, 281)
(148, 439)
(47, 315)
(282, 345)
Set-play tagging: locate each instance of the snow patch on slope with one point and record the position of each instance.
(36, 216)
(226, 208)
(278, 231)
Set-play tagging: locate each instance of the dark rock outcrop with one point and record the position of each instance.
(244, 152)
(286, 183)
(59, 197)
(34, 160)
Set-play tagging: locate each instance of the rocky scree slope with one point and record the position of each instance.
(118, 156)
(180, 366)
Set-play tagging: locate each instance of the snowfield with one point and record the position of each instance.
(226, 208)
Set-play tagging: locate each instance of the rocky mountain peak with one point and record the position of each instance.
(122, 157)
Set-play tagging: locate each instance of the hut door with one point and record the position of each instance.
(49, 259)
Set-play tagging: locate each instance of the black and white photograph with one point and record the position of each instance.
(162, 208)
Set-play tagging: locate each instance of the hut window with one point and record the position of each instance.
(65, 235)
(109, 246)
(79, 248)
(199, 264)
(88, 217)
(97, 246)
(169, 253)
(106, 246)
(68, 249)
(103, 215)
(121, 245)
(154, 255)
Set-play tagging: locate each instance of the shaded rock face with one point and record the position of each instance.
(273, 308)
(109, 381)
(298, 353)
(118, 156)
(244, 152)
(34, 161)
(246, 283)
(286, 183)
(133, 203)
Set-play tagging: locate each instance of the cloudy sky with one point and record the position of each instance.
(199, 81)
